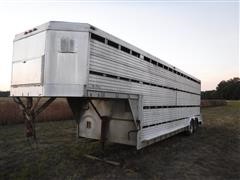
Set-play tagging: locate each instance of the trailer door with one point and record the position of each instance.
(28, 60)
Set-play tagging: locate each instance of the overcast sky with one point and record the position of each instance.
(199, 37)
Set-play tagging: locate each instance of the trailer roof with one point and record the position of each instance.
(85, 27)
(53, 25)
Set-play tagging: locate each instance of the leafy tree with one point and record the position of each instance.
(209, 94)
(229, 89)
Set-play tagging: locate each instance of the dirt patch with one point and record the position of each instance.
(212, 153)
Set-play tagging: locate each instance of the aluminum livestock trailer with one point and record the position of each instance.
(117, 92)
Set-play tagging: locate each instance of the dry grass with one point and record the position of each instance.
(212, 153)
(10, 113)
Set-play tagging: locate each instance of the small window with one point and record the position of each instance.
(165, 67)
(146, 83)
(146, 59)
(98, 38)
(88, 124)
(64, 45)
(160, 65)
(135, 54)
(124, 49)
(154, 62)
(124, 79)
(93, 28)
(136, 81)
(67, 45)
(111, 76)
(113, 44)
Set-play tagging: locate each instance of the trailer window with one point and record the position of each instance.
(124, 49)
(66, 45)
(154, 62)
(113, 44)
(124, 79)
(88, 124)
(97, 38)
(165, 67)
(135, 54)
(136, 81)
(160, 65)
(146, 59)
(93, 28)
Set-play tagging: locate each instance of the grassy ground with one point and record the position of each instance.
(212, 153)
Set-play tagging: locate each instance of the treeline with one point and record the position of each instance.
(229, 90)
(4, 93)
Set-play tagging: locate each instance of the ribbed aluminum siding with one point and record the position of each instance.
(108, 60)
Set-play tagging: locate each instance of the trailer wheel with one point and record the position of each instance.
(190, 129)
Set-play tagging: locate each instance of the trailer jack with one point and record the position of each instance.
(30, 111)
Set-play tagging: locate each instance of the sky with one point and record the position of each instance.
(199, 37)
